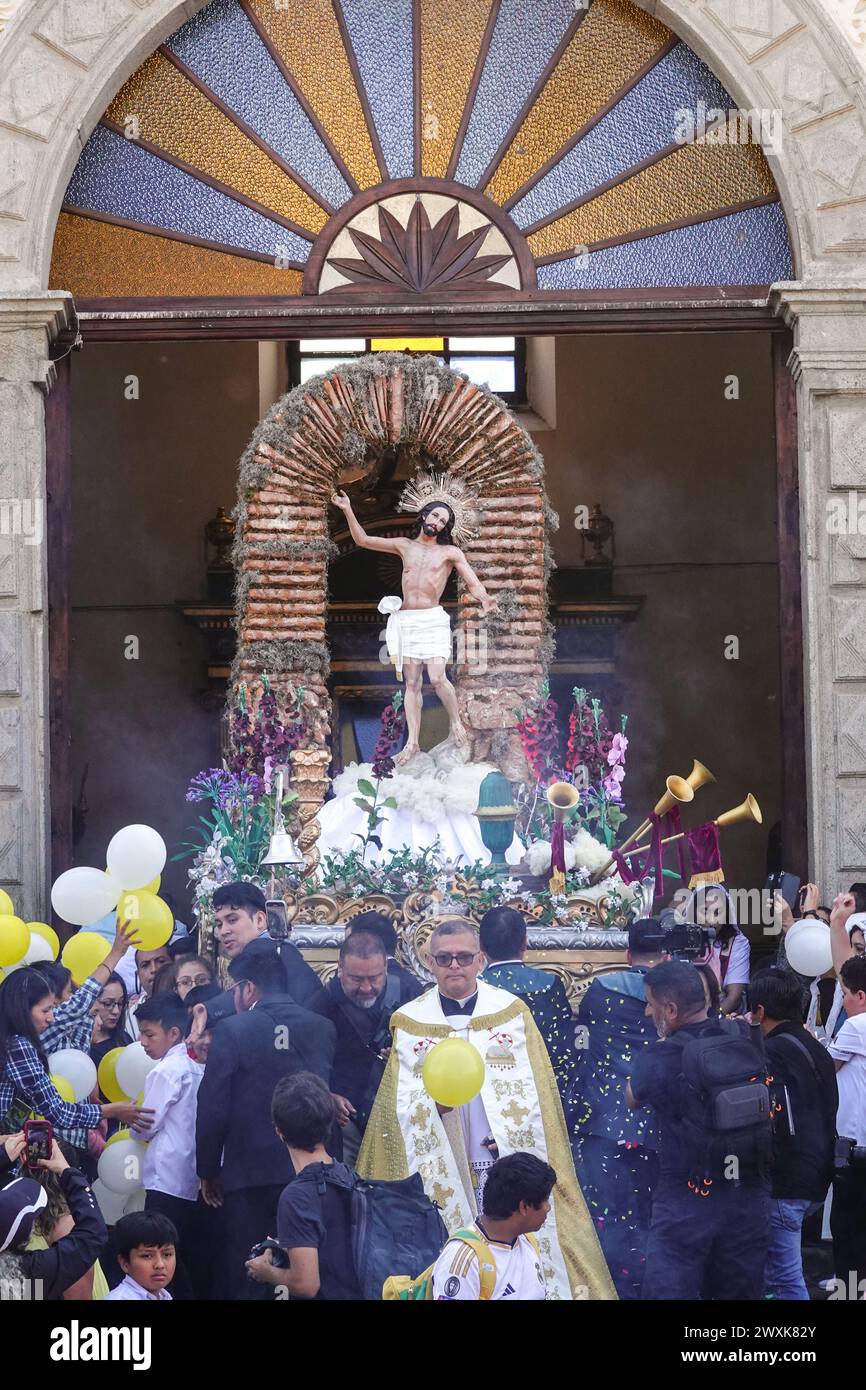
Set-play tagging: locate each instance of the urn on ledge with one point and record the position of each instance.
(496, 814)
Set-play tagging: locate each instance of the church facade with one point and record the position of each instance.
(254, 172)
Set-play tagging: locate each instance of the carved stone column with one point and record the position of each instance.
(828, 362)
(28, 326)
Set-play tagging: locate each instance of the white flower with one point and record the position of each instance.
(589, 853)
(487, 884)
(581, 877)
(410, 878)
(511, 887)
(440, 883)
(538, 857)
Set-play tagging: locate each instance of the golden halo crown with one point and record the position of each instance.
(443, 487)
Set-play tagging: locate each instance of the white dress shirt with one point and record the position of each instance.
(130, 1288)
(171, 1091)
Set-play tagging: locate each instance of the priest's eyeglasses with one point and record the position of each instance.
(462, 958)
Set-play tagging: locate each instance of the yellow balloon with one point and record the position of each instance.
(107, 1077)
(150, 916)
(63, 1088)
(13, 932)
(120, 1134)
(48, 934)
(453, 1072)
(7, 907)
(83, 953)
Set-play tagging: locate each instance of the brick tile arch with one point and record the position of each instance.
(293, 465)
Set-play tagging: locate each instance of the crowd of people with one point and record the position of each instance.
(666, 1141)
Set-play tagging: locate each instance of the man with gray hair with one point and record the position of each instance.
(359, 1001)
(516, 1109)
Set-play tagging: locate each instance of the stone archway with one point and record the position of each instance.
(294, 463)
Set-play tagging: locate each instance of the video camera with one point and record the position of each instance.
(679, 938)
(849, 1154)
(279, 1257)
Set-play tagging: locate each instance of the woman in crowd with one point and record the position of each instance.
(109, 1012)
(184, 974)
(26, 1010)
(711, 907)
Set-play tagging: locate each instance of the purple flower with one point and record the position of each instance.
(617, 749)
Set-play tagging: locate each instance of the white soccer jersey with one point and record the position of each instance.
(519, 1275)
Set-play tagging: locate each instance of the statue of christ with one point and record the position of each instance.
(419, 630)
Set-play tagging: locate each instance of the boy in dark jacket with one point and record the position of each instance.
(802, 1160)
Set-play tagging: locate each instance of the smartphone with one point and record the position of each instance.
(38, 1141)
(789, 887)
(278, 919)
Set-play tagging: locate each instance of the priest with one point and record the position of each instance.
(518, 1109)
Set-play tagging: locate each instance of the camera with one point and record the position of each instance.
(279, 1258)
(849, 1154)
(684, 940)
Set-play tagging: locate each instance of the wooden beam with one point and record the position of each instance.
(734, 308)
(58, 499)
(791, 682)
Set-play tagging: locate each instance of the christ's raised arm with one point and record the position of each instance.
(394, 545)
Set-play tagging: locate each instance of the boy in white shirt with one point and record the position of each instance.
(146, 1245)
(516, 1203)
(171, 1092)
(848, 1212)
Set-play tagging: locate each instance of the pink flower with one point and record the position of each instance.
(611, 785)
(617, 750)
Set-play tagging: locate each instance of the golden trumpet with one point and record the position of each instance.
(562, 796)
(699, 775)
(747, 810)
(678, 790)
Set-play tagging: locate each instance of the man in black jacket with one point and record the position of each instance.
(239, 1158)
(241, 916)
(711, 1209)
(805, 1086)
(383, 927)
(359, 1001)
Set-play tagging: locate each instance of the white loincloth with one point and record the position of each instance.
(415, 634)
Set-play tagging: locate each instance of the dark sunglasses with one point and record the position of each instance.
(463, 958)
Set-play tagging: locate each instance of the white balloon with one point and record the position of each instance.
(81, 896)
(77, 1068)
(807, 946)
(133, 1065)
(136, 1201)
(135, 856)
(39, 949)
(111, 1204)
(120, 1166)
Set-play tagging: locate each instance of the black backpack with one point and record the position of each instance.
(726, 1104)
(394, 1226)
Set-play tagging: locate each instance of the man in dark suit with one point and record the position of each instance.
(240, 1159)
(503, 940)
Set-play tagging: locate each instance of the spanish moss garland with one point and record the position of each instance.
(425, 381)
